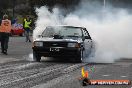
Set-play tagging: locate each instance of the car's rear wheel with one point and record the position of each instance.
(36, 57)
(79, 57)
(22, 34)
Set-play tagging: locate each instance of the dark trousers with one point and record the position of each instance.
(4, 38)
(27, 34)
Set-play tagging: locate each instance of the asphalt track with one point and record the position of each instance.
(17, 70)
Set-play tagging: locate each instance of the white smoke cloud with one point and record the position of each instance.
(45, 18)
(110, 28)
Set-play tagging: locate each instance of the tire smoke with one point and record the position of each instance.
(110, 28)
(30, 57)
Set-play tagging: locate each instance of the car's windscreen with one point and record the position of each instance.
(62, 31)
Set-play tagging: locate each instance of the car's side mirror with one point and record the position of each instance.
(87, 37)
(57, 36)
(83, 38)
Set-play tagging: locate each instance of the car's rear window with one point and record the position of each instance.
(62, 31)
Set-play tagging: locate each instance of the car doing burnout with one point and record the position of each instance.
(62, 41)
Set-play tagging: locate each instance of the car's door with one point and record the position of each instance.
(87, 42)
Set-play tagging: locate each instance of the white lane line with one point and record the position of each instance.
(105, 75)
(123, 76)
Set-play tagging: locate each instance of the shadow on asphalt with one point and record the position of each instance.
(67, 60)
(58, 59)
(124, 60)
(100, 63)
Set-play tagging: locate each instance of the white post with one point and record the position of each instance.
(104, 9)
(104, 4)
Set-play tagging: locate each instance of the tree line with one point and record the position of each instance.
(27, 6)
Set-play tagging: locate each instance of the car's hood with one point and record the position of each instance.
(45, 39)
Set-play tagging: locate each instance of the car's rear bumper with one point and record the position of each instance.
(63, 52)
(17, 32)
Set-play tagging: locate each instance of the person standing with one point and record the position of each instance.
(26, 25)
(4, 33)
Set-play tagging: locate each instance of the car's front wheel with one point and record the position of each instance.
(36, 57)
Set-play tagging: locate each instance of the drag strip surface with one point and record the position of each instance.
(17, 70)
(25, 74)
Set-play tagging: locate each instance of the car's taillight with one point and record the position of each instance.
(77, 45)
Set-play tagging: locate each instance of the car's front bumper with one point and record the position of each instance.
(59, 52)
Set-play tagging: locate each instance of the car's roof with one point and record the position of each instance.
(66, 26)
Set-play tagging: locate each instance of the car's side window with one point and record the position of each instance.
(86, 34)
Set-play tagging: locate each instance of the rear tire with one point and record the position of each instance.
(21, 35)
(36, 57)
(79, 57)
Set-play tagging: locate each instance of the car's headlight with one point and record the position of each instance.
(73, 45)
(38, 43)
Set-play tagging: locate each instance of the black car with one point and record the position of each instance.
(62, 41)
